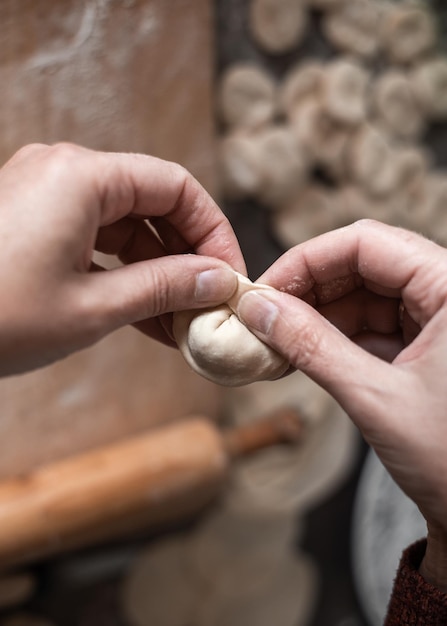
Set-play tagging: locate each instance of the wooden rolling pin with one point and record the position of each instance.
(146, 482)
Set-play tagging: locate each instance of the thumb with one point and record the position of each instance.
(356, 379)
(147, 289)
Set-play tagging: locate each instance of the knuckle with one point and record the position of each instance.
(155, 282)
(180, 173)
(365, 222)
(304, 347)
(50, 160)
(184, 180)
(91, 314)
(30, 149)
(26, 152)
(62, 161)
(65, 151)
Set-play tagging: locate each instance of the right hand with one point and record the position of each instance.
(354, 280)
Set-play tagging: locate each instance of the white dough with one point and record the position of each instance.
(219, 347)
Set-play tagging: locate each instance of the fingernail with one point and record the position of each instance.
(216, 285)
(257, 312)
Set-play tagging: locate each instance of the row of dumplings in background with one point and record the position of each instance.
(398, 33)
(354, 123)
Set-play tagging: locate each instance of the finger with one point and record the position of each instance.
(158, 328)
(148, 289)
(385, 259)
(131, 240)
(363, 384)
(110, 186)
(151, 187)
(26, 153)
(172, 240)
(362, 310)
(386, 347)
(410, 329)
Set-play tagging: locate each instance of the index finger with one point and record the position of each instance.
(112, 186)
(387, 260)
(150, 187)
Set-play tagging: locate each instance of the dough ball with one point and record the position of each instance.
(247, 96)
(302, 83)
(353, 27)
(372, 162)
(429, 81)
(283, 165)
(277, 26)
(324, 140)
(220, 348)
(346, 91)
(396, 107)
(240, 166)
(309, 214)
(408, 32)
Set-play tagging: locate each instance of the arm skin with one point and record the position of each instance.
(59, 203)
(337, 317)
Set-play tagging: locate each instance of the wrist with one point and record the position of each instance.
(433, 567)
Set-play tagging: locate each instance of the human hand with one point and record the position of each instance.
(58, 204)
(354, 280)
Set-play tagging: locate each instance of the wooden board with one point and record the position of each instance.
(132, 75)
(125, 76)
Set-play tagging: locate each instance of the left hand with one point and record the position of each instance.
(59, 203)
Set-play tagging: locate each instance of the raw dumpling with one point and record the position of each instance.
(219, 347)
